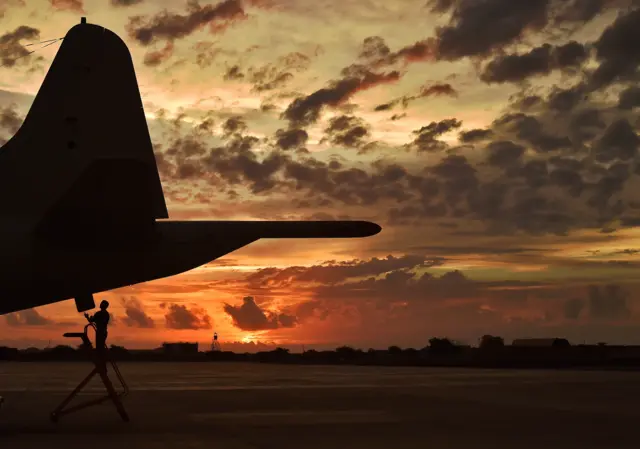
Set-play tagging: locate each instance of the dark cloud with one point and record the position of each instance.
(233, 73)
(250, 317)
(530, 129)
(348, 131)
(404, 286)
(539, 61)
(170, 26)
(291, 138)
(420, 51)
(534, 172)
(479, 27)
(333, 272)
(10, 120)
(504, 153)
(437, 89)
(580, 11)
(565, 100)
(135, 314)
(11, 50)
(118, 3)
(69, 5)
(428, 90)
(630, 98)
(440, 6)
(617, 51)
(427, 136)
(180, 317)
(154, 58)
(277, 75)
(619, 142)
(374, 48)
(234, 125)
(29, 317)
(475, 135)
(304, 111)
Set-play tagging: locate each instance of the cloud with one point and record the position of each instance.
(29, 317)
(135, 314)
(69, 5)
(537, 62)
(304, 111)
(580, 11)
(609, 302)
(9, 119)
(11, 50)
(249, 316)
(8, 4)
(475, 135)
(617, 51)
(178, 316)
(619, 142)
(427, 136)
(154, 58)
(629, 98)
(291, 138)
(332, 272)
(276, 75)
(125, 3)
(479, 27)
(347, 131)
(428, 90)
(170, 26)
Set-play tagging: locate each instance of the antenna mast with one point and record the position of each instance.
(215, 346)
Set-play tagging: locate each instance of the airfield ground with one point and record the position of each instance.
(224, 405)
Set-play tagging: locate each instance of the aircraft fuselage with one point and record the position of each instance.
(38, 272)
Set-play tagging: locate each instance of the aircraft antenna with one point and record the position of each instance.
(47, 42)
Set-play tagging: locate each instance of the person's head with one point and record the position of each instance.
(104, 304)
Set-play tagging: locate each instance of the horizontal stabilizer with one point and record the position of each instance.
(310, 229)
(254, 230)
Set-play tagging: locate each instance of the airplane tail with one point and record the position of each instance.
(82, 168)
(83, 158)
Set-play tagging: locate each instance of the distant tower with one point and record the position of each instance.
(215, 346)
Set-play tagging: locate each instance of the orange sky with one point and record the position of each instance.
(499, 157)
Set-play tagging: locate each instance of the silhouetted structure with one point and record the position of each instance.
(541, 343)
(440, 352)
(215, 344)
(89, 214)
(180, 348)
(99, 359)
(491, 342)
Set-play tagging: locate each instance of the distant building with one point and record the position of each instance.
(541, 343)
(180, 348)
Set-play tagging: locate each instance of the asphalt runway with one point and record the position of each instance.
(224, 406)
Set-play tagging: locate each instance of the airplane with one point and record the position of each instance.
(82, 205)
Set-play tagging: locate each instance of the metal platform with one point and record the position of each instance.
(100, 359)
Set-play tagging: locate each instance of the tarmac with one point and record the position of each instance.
(232, 405)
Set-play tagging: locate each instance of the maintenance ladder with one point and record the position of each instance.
(99, 359)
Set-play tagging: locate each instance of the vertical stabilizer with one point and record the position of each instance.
(83, 154)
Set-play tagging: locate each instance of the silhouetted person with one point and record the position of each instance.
(101, 320)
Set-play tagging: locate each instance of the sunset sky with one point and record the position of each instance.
(495, 141)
